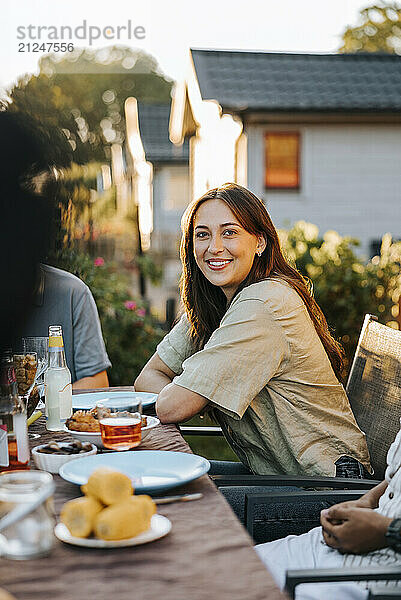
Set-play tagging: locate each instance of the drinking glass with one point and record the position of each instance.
(26, 367)
(120, 423)
(26, 514)
(39, 346)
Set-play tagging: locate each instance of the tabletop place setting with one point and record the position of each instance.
(97, 434)
(90, 480)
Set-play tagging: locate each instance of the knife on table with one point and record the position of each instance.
(180, 498)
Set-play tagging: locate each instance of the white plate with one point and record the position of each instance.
(150, 471)
(159, 527)
(96, 438)
(87, 401)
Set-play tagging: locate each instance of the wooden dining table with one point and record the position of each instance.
(207, 555)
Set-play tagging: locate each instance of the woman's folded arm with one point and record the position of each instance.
(176, 404)
(154, 376)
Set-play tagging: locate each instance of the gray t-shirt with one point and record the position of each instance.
(63, 299)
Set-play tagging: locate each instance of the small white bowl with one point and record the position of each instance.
(96, 438)
(52, 462)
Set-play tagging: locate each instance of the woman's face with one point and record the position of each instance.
(224, 250)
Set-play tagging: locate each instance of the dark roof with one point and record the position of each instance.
(245, 80)
(153, 127)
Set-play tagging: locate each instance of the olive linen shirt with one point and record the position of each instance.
(267, 375)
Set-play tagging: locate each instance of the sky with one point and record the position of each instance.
(167, 29)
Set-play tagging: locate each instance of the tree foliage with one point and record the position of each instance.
(344, 285)
(83, 95)
(378, 30)
(130, 332)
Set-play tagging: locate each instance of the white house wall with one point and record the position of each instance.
(350, 179)
(171, 195)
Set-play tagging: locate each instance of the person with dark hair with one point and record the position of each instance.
(26, 211)
(254, 346)
(36, 295)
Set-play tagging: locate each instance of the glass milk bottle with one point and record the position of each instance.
(58, 389)
(14, 447)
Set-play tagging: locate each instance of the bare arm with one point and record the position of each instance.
(176, 404)
(154, 376)
(100, 380)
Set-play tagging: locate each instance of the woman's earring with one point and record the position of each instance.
(259, 253)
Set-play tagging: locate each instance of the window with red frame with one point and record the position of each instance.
(282, 160)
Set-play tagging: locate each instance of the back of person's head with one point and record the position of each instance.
(27, 189)
(23, 147)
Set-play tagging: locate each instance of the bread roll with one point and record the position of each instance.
(147, 504)
(79, 515)
(108, 486)
(125, 520)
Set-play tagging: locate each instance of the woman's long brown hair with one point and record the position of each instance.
(205, 303)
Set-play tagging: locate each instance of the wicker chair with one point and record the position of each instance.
(374, 388)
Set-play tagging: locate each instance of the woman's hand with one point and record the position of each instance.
(354, 529)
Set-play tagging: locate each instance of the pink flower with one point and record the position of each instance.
(141, 312)
(130, 305)
(99, 262)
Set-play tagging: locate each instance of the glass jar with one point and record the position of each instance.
(26, 514)
(14, 446)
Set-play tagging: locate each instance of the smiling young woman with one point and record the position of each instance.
(253, 345)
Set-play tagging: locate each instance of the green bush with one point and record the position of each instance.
(345, 286)
(130, 332)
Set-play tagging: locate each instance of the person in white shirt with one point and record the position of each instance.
(359, 533)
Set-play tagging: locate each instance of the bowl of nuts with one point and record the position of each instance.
(50, 457)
